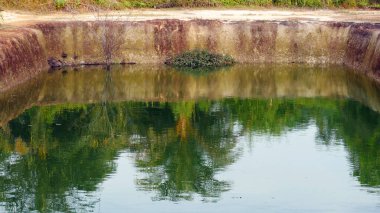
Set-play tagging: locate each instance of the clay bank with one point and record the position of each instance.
(28, 42)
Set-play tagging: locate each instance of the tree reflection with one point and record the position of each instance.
(359, 128)
(61, 151)
(183, 159)
(53, 158)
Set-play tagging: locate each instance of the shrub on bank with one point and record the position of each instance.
(200, 59)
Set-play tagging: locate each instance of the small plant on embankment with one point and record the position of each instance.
(196, 59)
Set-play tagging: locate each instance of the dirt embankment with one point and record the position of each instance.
(27, 41)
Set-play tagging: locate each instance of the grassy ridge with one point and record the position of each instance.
(124, 4)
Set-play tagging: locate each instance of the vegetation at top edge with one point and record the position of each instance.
(124, 4)
(200, 59)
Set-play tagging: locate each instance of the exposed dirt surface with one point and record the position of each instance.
(30, 43)
(359, 16)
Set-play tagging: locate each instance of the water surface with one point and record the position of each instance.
(265, 138)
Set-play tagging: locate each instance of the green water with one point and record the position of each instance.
(145, 139)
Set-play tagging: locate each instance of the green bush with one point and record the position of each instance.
(347, 3)
(200, 58)
(362, 3)
(312, 3)
(229, 2)
(101, 2)
(59, 4)
(139, 3)
(127, 4)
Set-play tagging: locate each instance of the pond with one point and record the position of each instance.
(151, 139)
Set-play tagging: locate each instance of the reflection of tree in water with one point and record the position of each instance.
(54, 173)
(183, 159)
(358, 128)
(63, 152)
(54, 157)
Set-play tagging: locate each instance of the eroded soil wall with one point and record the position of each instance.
(25, 50)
